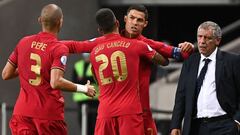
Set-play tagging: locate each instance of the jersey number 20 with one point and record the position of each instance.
(117, 55)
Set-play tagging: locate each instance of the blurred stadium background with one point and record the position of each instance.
(172, 21)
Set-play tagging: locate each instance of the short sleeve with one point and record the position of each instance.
(60, 57)
(13, 58)
(146, 51)
(162, 48)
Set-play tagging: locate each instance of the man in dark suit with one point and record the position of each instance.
(208, 91)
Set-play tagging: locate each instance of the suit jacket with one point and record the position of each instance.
(227, 78)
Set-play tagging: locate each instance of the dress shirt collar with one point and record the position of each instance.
(211, 57)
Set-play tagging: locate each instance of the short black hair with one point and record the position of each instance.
(105, 19)
(140, 8)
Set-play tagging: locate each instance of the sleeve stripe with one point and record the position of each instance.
(58, 68)
(12, 63)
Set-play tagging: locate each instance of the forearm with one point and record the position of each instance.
(64, 84)
(58, 82)
(160, 60)
(9, 72)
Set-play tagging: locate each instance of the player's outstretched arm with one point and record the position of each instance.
(9, 71)
(58, 82)
(182, 52)
(79, 46)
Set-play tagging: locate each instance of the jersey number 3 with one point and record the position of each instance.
(117, 55)
(36, 69)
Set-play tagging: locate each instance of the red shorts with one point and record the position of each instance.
(149, 124)
(21, 125)
(121, 125)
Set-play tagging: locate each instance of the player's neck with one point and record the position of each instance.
(115, 31)
(129, 35)
(54, 32)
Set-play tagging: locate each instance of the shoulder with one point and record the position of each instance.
(97, 39)
(141, 37)
(228, 56)
(28, 38)
(230, 60)
(147, 40)
(138, 45)
(137, 42)
(60, 47)
(155, 44)
(25, 41)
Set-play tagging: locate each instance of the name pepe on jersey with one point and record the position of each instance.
(42, 46)
(39, 46)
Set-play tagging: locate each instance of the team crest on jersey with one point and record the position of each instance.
(64, 60)
(92, 39)
(149, 48)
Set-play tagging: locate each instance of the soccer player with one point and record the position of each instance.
(115, 64)
(39, 60)
(136, 20)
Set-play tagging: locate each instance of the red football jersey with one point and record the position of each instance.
(115, 61)
(35, 56)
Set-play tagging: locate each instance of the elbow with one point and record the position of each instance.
(160, 60)
(165, 63)
(4, 75)
(55, 84)
(9, 72)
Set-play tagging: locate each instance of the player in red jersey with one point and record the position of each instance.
(39, 60)
(135, 22)
(115, 64)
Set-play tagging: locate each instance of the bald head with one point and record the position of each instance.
(51, 17)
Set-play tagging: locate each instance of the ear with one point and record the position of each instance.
(125, 18)
(100, 31)
(218, 40)
(117, 23)
(146, 23)
(39, 20)
(61, 22)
